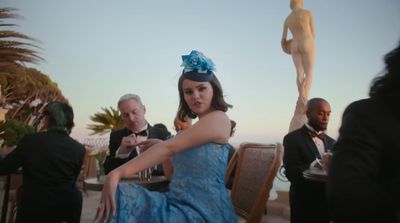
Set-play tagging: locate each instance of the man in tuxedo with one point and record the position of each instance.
(137, 129)
(302, 149)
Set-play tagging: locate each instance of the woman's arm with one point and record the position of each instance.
(214, 127)
(14, 159)
(168, 168)
(167, 165)
(11, 162)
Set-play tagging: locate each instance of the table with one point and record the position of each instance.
(317, 175)
(156, 183)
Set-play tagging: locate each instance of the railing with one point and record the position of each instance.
(95, 142)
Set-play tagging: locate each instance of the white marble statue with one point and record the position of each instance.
(302, 48)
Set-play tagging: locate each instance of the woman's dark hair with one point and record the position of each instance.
(60, 116)
(388, 85)
(218, 102)
(233, 128)
(162, 127)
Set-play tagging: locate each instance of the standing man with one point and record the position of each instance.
(364, 178)
(302, 147)
(137, 129)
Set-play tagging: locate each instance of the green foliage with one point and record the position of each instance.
(12, 131)
(108, 120)
(23, 85)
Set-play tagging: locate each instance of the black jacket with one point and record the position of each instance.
(112, 162)
(307, 198)
(364, 176)
(51, 162)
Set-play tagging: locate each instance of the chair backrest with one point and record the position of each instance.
(12, 196)
(257, 165)
(85, 166)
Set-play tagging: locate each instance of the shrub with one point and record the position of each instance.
(12, 131)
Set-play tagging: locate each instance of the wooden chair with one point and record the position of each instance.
(10, 201)
(256, 168)
(85, 169)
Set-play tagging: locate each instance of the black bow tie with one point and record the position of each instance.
(141, 133)
(315, 134)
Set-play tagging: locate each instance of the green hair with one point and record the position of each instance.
(60, 116)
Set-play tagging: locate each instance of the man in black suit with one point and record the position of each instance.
(137, 129)
(302, 149)
(364, 175)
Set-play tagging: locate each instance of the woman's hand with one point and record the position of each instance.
(107, 201)
(147, 144)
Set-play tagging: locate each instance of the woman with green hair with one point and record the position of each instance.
(57, 116)
(51, 162)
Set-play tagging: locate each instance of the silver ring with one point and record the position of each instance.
(101, 206)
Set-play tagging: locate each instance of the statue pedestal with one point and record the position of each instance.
(3, 114)
(299, 117)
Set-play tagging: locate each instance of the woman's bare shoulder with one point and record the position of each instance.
(220, 115)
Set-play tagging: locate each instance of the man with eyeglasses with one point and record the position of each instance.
(137, 129)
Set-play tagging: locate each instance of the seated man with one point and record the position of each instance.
(137, 129)
(51, 161)
(302, 147)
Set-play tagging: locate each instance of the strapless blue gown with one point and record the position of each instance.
(196, 193)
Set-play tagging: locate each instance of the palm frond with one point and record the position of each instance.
(15, 48)
(106, 121)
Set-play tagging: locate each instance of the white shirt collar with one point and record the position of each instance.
(143, 128)
(312, 129)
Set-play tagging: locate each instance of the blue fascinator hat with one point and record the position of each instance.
(197, 67)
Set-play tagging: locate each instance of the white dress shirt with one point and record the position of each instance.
(318, 143)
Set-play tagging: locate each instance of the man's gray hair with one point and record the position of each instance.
(127, 97)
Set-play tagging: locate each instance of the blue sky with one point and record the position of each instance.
(98, 50)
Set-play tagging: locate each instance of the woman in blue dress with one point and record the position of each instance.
(197, 158)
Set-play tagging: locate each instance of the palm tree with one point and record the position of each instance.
(108, 120)
(15, 48)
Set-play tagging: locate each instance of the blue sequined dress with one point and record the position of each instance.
(196, 193)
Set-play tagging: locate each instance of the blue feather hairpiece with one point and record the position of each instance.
(197, 67)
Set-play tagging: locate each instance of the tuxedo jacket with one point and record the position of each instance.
(51, 162)
(113, 162)
(300, 152)
(307, 198)
(364, 175)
